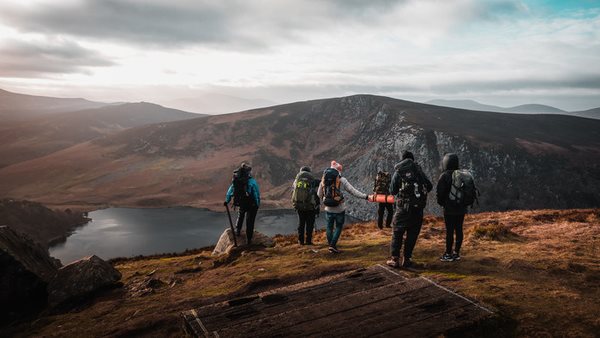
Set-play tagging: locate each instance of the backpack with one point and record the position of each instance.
(382, 183)
(412, 192)
(332, 193)
(241, 196)
(303, 196)
(462, 191)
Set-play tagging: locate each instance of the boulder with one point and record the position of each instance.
(25, 270)
(81, 278)
(225, 243)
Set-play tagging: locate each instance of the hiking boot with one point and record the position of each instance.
(333, 249)
(301, 242)
(238, 232)
(456, 256)
(446, 258)
(394, 262)
(406, 263)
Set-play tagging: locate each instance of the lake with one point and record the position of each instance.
(126, 232)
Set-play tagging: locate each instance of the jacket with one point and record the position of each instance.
(345, 185)
(252, 189)
(449, 164)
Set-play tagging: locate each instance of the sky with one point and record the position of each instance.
(502, 52)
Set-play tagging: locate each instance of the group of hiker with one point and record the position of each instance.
(402, 195)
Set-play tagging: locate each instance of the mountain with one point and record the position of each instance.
(519, 161)
(14, 106)
(521, 109)
(39, 136)
(593, 113)
(535, 109)
(215, 103)
(466, 104)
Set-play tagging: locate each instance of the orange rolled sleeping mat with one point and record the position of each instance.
(381, 198)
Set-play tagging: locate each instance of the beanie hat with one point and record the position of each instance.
(336, 166)
(305, 168)
(407, 154)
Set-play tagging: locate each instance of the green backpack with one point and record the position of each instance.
(303, 196)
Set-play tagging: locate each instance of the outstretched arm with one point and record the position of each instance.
(352, 190)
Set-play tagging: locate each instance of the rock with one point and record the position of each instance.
(25, 270)
(225, 243)
(145, 286)
(80, 278)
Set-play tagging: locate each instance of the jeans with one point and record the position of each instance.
(338, 219)
(454, 223)
(250, 215)
(410, 225)
(390, 214)
(306, 220)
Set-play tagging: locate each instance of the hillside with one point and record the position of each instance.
(519, 160)
(520, 264)
(593, 113)
(35, 137)
(38, 222)
(14, 106)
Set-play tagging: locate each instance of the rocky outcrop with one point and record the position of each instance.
(226, 244)
(81, 278)
(26, 268)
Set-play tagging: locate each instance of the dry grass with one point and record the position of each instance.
(538, 269)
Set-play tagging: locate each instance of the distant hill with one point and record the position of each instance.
(35, 137)
(519, 160)
(474, 105)
(215, 103)
(14, 106)
(593, 113)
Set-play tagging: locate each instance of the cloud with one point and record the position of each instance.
(22, 58)
(240, 24)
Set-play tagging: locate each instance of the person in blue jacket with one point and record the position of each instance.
(246, 196)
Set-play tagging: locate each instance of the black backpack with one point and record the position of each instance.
(241, 196)
(412, 192)
(382, 183)
(332, 192)
(463, 192)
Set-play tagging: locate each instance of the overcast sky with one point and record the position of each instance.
(503, 52)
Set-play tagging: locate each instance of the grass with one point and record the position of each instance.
(538, 269)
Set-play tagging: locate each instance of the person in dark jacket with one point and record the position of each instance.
(382, 186)
(248, 206)
(407, 219)
(307, 213)
(454, 215)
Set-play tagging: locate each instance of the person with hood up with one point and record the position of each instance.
(306, 203)
(454, 215)
(410, 185)
(330, 192)
(246, 196)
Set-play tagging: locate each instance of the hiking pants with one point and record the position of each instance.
(454, 223)
(390, 214)
(411, 225)
(338, 219)
(306, 220)
(250, 214)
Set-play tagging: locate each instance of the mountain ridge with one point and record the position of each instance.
(516, 158)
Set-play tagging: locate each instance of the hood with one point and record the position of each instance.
(450, 162)
(403, 163)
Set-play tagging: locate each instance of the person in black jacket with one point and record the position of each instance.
(454, 215)
(407, 219)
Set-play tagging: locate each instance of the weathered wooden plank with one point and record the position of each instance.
(298, 320)
(270, 303)
(374, 302)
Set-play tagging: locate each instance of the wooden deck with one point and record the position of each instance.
(373, 302)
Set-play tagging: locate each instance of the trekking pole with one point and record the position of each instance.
(231, 225)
